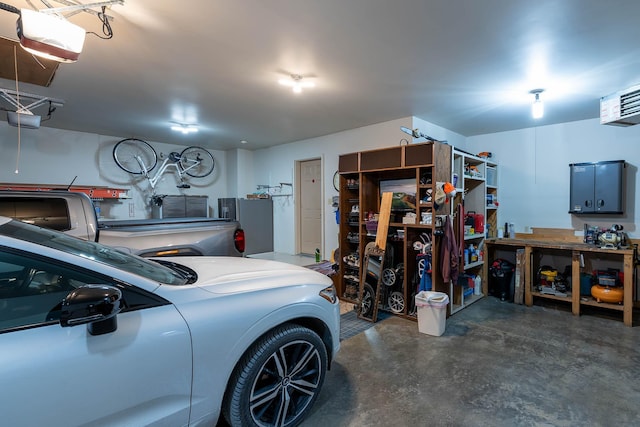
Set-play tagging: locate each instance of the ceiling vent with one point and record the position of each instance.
(621, 108)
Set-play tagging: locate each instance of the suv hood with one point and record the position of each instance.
(224, 275)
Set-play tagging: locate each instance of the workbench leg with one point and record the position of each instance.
(575, 282)
(628, 290)
(528, 298)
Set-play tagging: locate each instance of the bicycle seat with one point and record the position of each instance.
(174, 156)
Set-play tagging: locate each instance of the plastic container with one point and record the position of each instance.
(432, 312)
(477, 285)
(500, 275)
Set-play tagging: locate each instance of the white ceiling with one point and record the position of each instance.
(466, 65)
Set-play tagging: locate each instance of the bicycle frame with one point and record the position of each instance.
(173, 160)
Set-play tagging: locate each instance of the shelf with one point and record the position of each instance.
(472, 298)
(466, 301)
(473, 178)
(549, 296)
(473, 236)
(473, 265)
(592, 302)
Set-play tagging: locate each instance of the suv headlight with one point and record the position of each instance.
(329, 293)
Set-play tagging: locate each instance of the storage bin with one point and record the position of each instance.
(491, 177)
(432, 312)
(372, 226)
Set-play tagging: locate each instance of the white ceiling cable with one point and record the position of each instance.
(15, 63)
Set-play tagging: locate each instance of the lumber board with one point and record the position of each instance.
(383, 220)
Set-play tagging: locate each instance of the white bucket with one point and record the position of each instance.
(432, 312)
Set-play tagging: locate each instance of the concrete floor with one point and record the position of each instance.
(497, 364)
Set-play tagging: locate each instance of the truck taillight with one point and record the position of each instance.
(238, 239)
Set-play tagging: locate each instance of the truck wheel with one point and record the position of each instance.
(277, 380)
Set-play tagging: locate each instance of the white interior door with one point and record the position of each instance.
(310, 206)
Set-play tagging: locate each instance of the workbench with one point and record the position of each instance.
(577, 254)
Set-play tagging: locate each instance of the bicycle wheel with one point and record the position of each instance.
(197, 162)
(135, 155)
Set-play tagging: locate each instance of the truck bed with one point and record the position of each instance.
(166, 223)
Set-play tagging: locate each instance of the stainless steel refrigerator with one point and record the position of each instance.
(256, 219)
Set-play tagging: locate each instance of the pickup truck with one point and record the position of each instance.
(74, 214)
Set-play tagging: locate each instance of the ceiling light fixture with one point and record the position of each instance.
(185, 129)
(537, 108)
(296, 82)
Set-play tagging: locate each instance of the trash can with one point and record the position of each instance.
(432, 312)
(500, 275)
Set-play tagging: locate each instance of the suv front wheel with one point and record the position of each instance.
(277, 380)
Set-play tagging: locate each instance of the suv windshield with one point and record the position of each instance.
(94, 251)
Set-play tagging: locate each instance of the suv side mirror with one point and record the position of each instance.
(96, 305)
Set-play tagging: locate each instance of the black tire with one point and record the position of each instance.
(366, 303)
(197, 162)
(127, 151)
(289, 362)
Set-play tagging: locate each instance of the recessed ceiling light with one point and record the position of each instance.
(243, 142)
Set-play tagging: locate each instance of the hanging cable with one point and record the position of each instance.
(106, 26)
(15, 62)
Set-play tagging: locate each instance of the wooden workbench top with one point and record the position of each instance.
(551, 244)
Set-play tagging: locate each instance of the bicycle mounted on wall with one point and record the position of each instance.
(138, 157)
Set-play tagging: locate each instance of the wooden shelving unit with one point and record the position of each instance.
(414, 169)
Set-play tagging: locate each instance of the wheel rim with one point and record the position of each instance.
(396, 302)
(197, 162)
(128, 153)
(421, 264)
(367, 299)
(286, 384)
(388, 277)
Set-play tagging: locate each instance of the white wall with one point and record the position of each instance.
(52, 156)
(439, 133)
(277, 164)
(533, 172)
